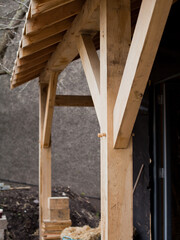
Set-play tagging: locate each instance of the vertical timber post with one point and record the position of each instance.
(116, 164)
(44, 161)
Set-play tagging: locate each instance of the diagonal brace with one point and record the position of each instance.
(91, 65)
(148, 32)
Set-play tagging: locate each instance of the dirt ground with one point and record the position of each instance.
(22, 210)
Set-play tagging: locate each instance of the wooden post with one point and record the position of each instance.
(116, 164)
(44, 161)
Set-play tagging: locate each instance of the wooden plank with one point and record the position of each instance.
(59, 214)
(67, 50)
(73, 101)
(55, 15)
(35, 56)
(47, 32)
(44, 161)
(29, 50)
(58, 202)
(49, 109)
(26, 71)
(31, 64)
(20, 76)
(38, 8)
(116, 164)
(149, 28)
(26, 79)
(91, 65)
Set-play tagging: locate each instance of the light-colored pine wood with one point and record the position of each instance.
(39, 8)
(149, 28)
(59, 214)
(73, 101)
(116, 164)
(44, 161)
(50, 225)
(29, 50)
(49, 109)
(55, 15)
(47, 32)
(91, 65)
(67, 50)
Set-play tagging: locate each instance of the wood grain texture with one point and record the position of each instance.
(147, 35)
(44, 161)
(91, 66)
(51, 94)
(116, 164)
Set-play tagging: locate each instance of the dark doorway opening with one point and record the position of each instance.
(165, 155)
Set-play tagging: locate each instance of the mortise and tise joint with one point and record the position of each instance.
(100, 135)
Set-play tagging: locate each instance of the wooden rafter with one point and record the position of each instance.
(91, 65)
(73, 101)
(51, 17)
(46, 6)
(51, 94)
(29, 65)
(149, 28)
(29, 50)
(47, 32)
(87, 20)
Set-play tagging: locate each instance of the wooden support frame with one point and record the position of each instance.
(116, 164)
(91, 65)
(51, 94)
(148, 31)
(73, 101)
(44, 160)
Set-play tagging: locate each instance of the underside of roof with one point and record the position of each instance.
(49, 24)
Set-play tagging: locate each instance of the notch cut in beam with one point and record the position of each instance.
(91, 65)
(73, 101)
(51, 94)
(148, 32)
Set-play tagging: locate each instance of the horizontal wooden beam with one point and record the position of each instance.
(51, 94)
(39, 54)
(34, 70)
(29, 50)
(25, 71)
(47, 32)
(73, 101)
(30, 64)
(91, 65)
(42, 7)
(148, 31)
(20, 81)
(55, 15)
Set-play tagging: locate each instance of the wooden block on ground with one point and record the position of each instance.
(50, 225)
(59, 214)
(58, 202)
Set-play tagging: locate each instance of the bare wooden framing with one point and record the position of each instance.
(116, 164)
(73, 101)
(148, 31)
(51, 94)
(91, 65)
(44, 160)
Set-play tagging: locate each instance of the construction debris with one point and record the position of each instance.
(84, 233)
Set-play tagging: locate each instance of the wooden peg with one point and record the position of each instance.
(101, 135)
